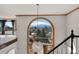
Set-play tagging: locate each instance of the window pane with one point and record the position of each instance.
(8, 27)
(41, 30)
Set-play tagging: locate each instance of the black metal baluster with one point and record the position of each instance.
(72, 37)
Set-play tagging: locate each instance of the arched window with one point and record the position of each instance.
(41, 30)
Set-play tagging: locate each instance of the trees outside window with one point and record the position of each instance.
(40, 29)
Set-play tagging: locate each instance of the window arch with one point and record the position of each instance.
(40, 29)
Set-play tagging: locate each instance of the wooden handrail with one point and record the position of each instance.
(7, 43)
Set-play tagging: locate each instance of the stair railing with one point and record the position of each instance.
(72, 36)
(7, 43)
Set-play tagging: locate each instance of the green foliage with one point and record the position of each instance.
(41, 33)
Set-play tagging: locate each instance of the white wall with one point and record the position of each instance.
(73, 22)
(23, 22)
